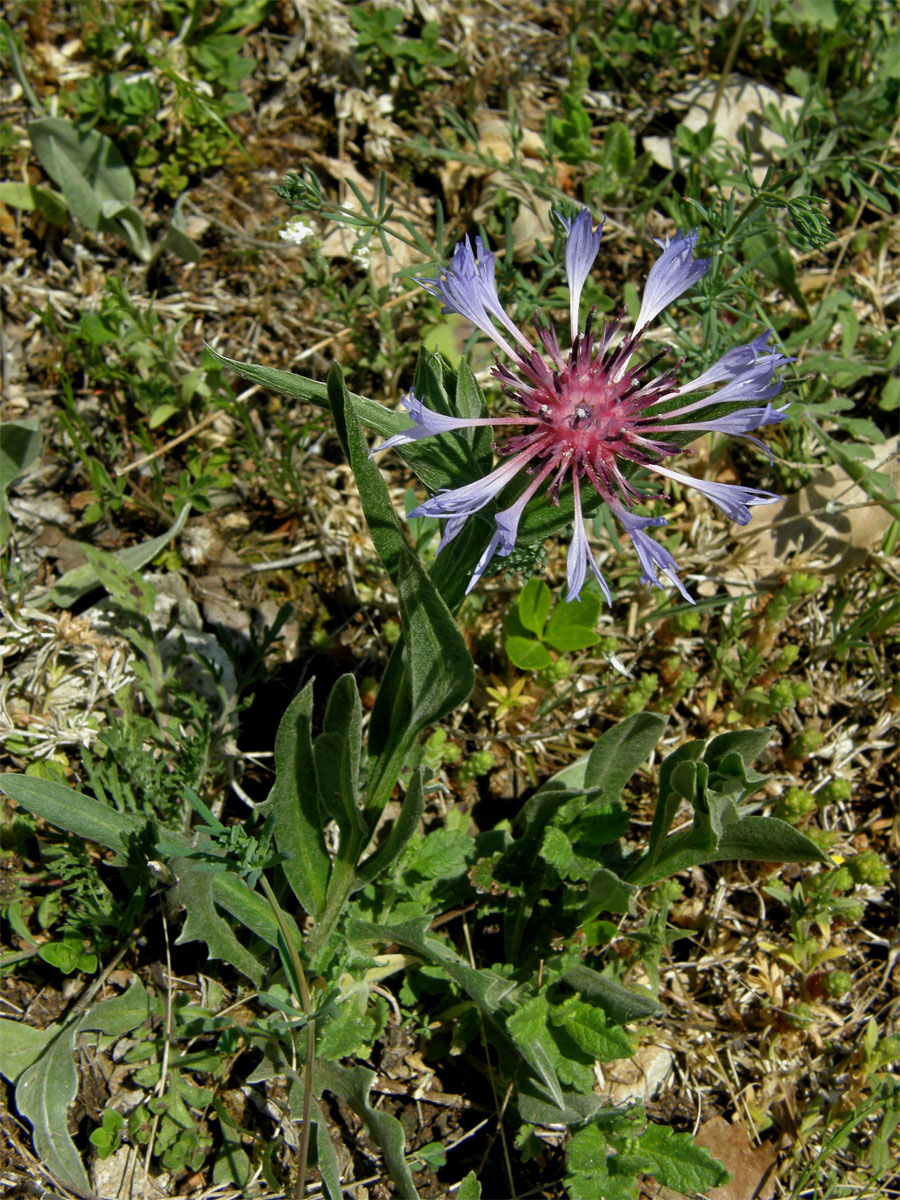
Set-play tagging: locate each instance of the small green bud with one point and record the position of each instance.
(840, 879)
(807, 743)
(803, 585)
(475, 765)
(823, 838)
(888, 1049)
(868, 868)
(838, 983)
(787, 657)
(800, 690)
(687, 622)
(833, 792)
(795, 804)
(781, 695)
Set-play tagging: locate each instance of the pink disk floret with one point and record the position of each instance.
(593, 416)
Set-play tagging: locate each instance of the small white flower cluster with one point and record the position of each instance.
(297, 231)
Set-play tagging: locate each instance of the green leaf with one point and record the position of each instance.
(527, 654)
(619, 752)
(326, 1159)
(298, 826)
(533, 605)
(469, 1188)
(439, 673)
(571, 624)
(470, 402)
(750, 839)
(619, 1003)
(353, 1085)
(48, 1086)
(608, 893)
(591, 1031)
(529, 1020)
(196, 891)
(588, 1175)
(576, 1108)
(298, 387)
(347, 1033)
(618, 149)
(556, 849)
(95, 180)
(680, 1164)
(336, 753)
(487, 988)
(17, 69)
(250, 909)
(20, 445)
(75, 813)
(403, 828)
(22, 1045)
(43, 1095)
(80, 580)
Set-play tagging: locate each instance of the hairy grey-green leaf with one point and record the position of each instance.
(298, 826)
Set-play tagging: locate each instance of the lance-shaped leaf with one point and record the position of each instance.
(439, 672)
(404, 826)
(337, 752)
(48, 1085)
(95, 180)
(75, 813)
(298, 826)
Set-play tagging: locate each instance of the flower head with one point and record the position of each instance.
(593, 416)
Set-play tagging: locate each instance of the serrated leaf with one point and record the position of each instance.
(203, 923)
(588, 1176)
(347, 1033)
(353, 1085)
(298, 827)
(556, 849)
(679, 1163)
(591, 1031)
(529, 1020)
(469, 1188)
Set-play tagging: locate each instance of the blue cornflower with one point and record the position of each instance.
(583, 417)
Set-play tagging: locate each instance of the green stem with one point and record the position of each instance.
(306, 1004)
